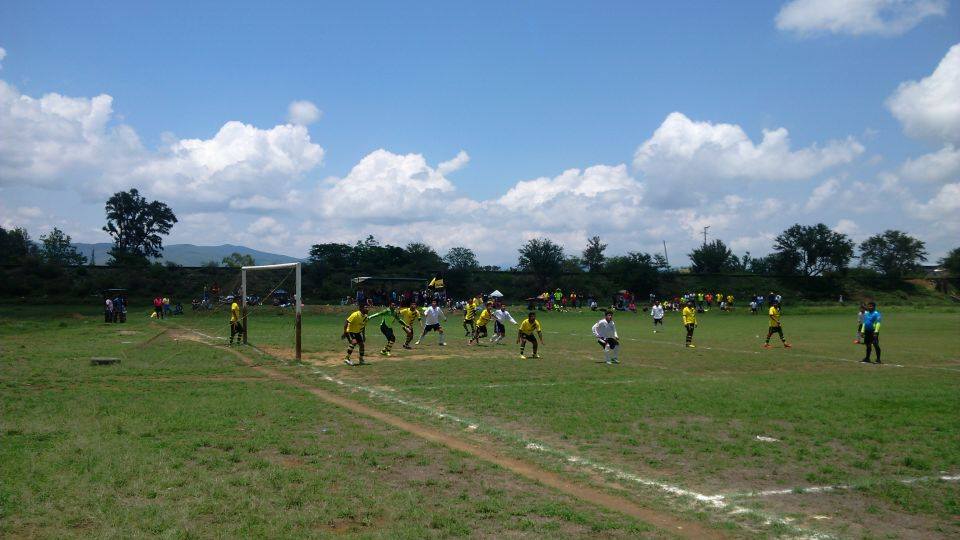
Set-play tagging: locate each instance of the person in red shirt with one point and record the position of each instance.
(158, 306)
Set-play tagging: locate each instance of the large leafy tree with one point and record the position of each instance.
(637, 272)
(57, 248)
(593, 257)
(541, 257)
(15, 245)
(423, 258)
(812, 250)
(136, 226)
(952, 262)
(713, 258)
(332, 256)
(461, 258)
(237, 260)
(893, 253)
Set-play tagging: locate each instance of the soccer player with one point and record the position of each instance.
(871, 331)
(481, 330)
(388, 316)
(526, 333)
(775, 326)
(469, 314)
(236, 327)
(354, 329)
(657, 313)
(409, 315)
(689, 322)
(431, 321)
(606, 333)
(499, 329)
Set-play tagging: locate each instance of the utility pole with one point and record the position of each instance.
(705, 235)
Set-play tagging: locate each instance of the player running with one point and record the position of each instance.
(689, 315)
(409, 315)
(469, 314)
(353, 331)
(775, 326)
(388, 316)
(606, 333)
(499, 328)
(526, 333)
(871, 331)
(482, 320)
(431, 321)
(657, 313)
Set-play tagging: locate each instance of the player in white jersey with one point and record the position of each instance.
(606, 333)
(431, 321)
(657, 313)
(500, 329)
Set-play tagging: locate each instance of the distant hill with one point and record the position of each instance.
(191, 255)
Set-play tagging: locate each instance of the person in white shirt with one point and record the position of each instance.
(657, 313)
(499, 328)
(606, 333)
(431, 321)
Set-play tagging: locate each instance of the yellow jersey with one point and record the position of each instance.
(774, 316)
(526, 327)
(408, 316)
(485, 317)
(234, 312)
(356, 322)
(689, 315)
(471, 311)
(729, 298)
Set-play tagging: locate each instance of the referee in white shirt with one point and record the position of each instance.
(606, 333)
(431, 321)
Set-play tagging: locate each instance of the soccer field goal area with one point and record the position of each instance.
(297, 298)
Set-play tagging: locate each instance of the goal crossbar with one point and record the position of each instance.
(298, 299)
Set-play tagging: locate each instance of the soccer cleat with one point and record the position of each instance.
(691, 346)
(537, 356)
(866, 361)
(787, 345)
(607, 362)
(522, 357)
(361, 362)
(878, 361)
(407, 347)
(766, 345)
(616, 361)
(347, 361)
(856, 342)
(417, 342)
(442, 344)
(384, 352)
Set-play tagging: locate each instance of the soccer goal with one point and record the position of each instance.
(297, 298)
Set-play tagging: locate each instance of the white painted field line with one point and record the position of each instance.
(837, 487)
(717, 502)
(531, 383)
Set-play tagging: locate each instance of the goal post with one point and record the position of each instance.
(298, 299)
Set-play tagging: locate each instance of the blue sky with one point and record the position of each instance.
(526, 90)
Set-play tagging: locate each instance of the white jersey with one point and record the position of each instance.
(503, 316)
(657, 311)
(604, 329)
(432, 315)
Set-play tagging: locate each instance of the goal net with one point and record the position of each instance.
(249, 283)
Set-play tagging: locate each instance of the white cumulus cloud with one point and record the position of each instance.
(458, 162)
(857, 17)
(302, 113)
(3, 54)
(939, 166)
(930, 108)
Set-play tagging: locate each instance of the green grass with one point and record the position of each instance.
(685, 417)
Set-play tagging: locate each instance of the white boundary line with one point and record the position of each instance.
(838, 487)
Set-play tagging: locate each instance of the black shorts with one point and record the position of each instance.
(353, 336)
(482, 330)
(658, 321)
(775, 330)
(431, 328)
(612, 342)
(387, 332)
(498, 328)
(528, 337)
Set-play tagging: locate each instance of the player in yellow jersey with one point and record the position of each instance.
(775, 326)
(469, 314)
(354, 330)
(482, 319)
(409, 315)
(236, 326)
(525, 333)
(689, 322)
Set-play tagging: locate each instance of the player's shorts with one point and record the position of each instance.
(498, 328)
(775, 330)
(354, 336)
(658, 321)
(612, 342)
(482, 331)
(387, 332)
(431, 328)
(528, 337)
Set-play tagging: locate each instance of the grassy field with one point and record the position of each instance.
(183, 438)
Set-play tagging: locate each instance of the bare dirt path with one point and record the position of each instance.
(667, 522)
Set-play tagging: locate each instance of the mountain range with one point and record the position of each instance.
(189, 254)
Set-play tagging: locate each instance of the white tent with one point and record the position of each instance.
(496, 294)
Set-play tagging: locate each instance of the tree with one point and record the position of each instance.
(542, 258)
(332, 257)
(593, 257)
(461, 258)
(812, 250)
(15, 245)
(637, 272)
(660, 261)
(136, 226)
(713, 258)
(423, 258)
(57, 248)
(952, 262)
(237, 260)
(893, 253)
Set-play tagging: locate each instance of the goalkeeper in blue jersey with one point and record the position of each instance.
(388, 317)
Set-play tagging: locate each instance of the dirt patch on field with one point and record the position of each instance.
(128, 332)
(488, 453)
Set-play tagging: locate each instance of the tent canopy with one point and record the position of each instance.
(387, 279)
(496, 294)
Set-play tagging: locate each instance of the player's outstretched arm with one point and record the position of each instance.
(540, 335)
